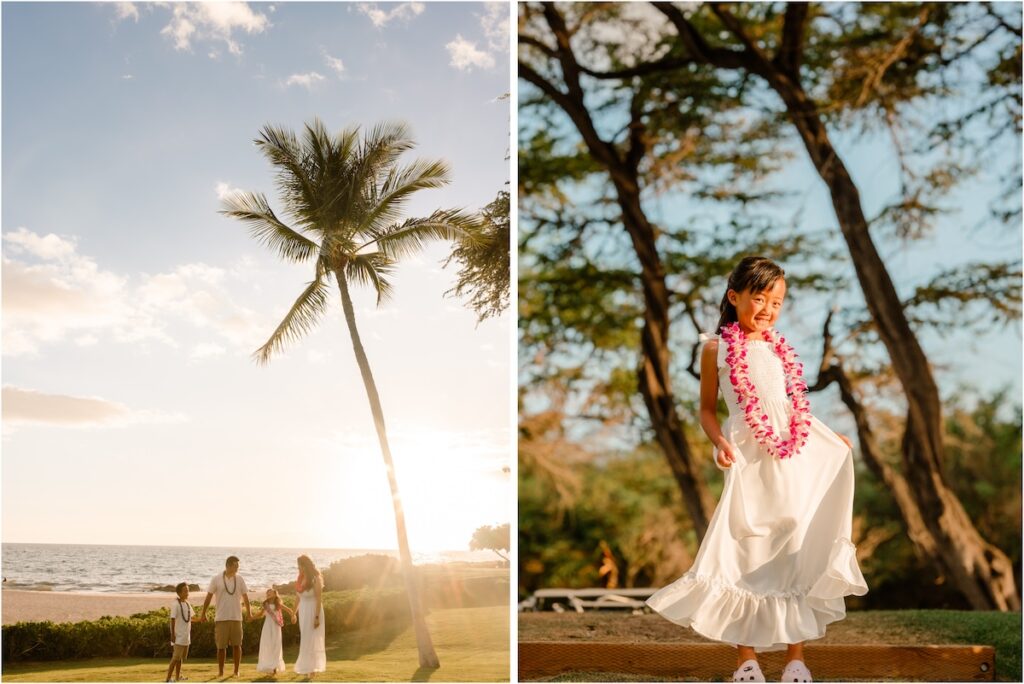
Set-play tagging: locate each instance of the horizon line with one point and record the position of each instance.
(208, 546)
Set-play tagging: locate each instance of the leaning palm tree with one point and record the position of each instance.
(344, 196)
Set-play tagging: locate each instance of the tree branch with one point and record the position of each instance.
(534, 42)
(698, 50)
(664, 64)
(736, 28)
(791, 49)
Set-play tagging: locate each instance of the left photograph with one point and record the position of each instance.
(256, 342)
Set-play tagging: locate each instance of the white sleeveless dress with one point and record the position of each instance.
(312, 650)
(777, 559)
(271, 656)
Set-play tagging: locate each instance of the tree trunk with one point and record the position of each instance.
(654, 379)
(428, 657)
(653, 375)
(981, 571)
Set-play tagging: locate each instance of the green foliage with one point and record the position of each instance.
(344, 194)
(484, 261)
(626, 515)
(446, 585)
(369, 570)
(495, 538)
(147, 635)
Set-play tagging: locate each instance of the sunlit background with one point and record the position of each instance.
(133, 413)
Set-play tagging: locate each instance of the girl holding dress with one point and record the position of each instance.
(312, 651)
(271, 655)
(777, 558)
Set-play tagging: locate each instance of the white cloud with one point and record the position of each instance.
(47, 247)
(465, 55)
(495, 24)
(126, 10)
(381, 18)
(51, 294)
(335, 64)
(305, 80)
(224, 190)
(28, 407)
(213, 21)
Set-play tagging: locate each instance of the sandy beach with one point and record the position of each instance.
(66, 606)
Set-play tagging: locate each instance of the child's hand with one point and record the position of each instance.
(725, 456)
(294, 619)
(845, 439)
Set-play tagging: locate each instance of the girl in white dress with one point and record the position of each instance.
(273, 612)
(777, 558)
(312, 651)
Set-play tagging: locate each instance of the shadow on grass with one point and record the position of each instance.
(357, 643)
(423, 674)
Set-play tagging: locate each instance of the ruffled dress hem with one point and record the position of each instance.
(769, 621)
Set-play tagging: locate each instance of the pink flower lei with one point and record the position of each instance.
(275, 612)
(796, 388)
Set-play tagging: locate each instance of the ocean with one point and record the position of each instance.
(134, 569)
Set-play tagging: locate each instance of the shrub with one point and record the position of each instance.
(147, 635)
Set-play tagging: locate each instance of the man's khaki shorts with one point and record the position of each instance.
(227, 633)
(180, 652)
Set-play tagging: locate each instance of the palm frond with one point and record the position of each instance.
(300, 319)
(400, 184)
(372, 269)
(383, 145)
(291, 159)
(253, 209)
(410, 236)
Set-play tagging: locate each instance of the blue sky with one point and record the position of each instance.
(131, 306)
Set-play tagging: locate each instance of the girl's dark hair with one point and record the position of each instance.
(754, 273)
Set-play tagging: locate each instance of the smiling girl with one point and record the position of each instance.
(777, 560)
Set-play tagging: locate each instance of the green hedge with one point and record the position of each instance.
(147, 635)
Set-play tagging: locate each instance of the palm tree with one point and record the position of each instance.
(344, 196)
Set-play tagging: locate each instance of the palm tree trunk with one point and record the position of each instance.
(428, 657)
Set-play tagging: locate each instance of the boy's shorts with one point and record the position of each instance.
(227, 633)
(180, 652)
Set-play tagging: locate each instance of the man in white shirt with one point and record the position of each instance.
(231, 592)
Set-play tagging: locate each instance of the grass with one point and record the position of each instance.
(1001, 630)
(472, 644)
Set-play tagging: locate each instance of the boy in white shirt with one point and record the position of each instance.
(181, 631)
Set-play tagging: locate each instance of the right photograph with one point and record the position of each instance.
(770, 407)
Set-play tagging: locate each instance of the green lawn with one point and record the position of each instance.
(1001, 630)
(472, 644)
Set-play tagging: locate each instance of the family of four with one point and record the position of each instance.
(229, 591)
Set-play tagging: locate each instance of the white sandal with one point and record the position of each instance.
(749, 671)
(796, 671)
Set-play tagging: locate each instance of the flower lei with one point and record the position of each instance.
(796, 388)
(278, 617)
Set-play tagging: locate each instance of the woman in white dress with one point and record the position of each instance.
(271, 655)
(312, 651)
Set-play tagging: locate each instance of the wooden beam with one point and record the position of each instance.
(711, 662)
